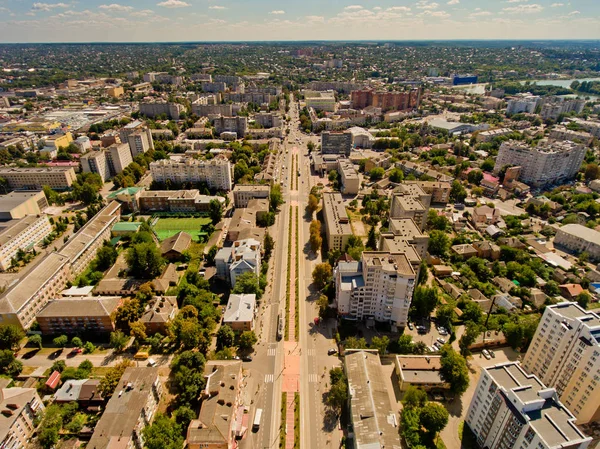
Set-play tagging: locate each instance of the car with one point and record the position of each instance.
(76, 351)
(436, 345)
(432, 349)
(486, 354)
(410, 326)
(442, 331)
(440, 340)
(331, 351)
(152, 362)
(492, 354)
(247, 358)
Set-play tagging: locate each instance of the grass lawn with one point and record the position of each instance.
(167, 227)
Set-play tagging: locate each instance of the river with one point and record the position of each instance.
(566, 84)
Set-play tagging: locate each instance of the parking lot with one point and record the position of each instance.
(430, 335)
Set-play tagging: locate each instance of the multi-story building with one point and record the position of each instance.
(204, 110)
(374, 422)
(134, 127)
(565, 355)
(268, 119)
(336, 143)
(522, 103)
(380, 287)
(171, 110)
(214, 86)
(95, 162)
(139, 142)
(239, 313)
(421, 371)
(243, 193)
(19, 204)
(216, 173)
(21, 409)
(238, 125)
(579, 239)
(489, 135)
(130, 409)
(553, 107)
(406, 229)
(243, 256)
(564, 133)
(217, 426)
(548, 163)
(58, 178)
(162, 78)
(339, 86)
(118, 156)
(591, 126)
(337, 223)
(320, 100)
(439, 190)
(513, 409)
(387, 101)
(249, 97)
(21, 234)
(85, 315)
(410, 201)
(175, 201)
(349, 177)
(58, 141)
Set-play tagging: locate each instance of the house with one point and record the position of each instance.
(512, 242)
(159, 313)
(570, 291)
(20, 409)
(239, 313)
(125, 228)
(506, 285)
(537, 297)
(487, 250)
(168, 278)
(83, 391)
(485, 215)
(442, 270)
(422, 371)
(173, 247)
(465, 251)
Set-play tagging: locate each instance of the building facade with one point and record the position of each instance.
(139, 142)
(349, 177)
(336, 143)
(19, 204)
(216, 173)
(171, 110)
(337, 224)
(58, 178)
(22, 408)
(579, 239)
(238, 125)
(91, 315)
(243, 193)
(21, 234)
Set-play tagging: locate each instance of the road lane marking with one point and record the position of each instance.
(313, 378)
(311, 351)
(269, 378)
(272, 352)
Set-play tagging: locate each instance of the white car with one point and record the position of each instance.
(486, 354)
(441, 340)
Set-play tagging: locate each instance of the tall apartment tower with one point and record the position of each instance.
(118, 156)
(511, 409)
(139, 142)
(565, 354)
(336, 143)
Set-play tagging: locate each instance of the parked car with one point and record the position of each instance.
(442, 331)
(441, 341)
(410, 326)
(247, 358)
(486, 354)
(437, 346)
(152, 362)
(492, 354)
(432, 349)
(331, 351)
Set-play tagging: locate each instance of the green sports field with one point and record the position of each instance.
(167, 227)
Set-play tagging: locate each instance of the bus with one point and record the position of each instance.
(257, 418)
(279, 334)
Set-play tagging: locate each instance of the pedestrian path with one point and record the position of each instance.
(289, 421)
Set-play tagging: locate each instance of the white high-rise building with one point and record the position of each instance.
(565, 354)
(513, 409)
(216, 173)
(522, 103)
(548, 163)
(380, 287)
(139, 141)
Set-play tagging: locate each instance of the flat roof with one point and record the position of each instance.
(16, 198)
(583, 232)
(10, 229)
(397, 262)
(335, 214)
(240, 308)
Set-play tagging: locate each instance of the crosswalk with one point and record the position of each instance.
(271, 352)
(313, 378)
(269, 378)
(311, 352)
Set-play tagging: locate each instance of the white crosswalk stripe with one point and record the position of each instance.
(272, 352)
(269, 378)
(311, 351)
(312, 378)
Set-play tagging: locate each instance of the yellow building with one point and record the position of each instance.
(115, 92)
(59, 140)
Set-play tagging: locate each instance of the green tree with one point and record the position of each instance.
(247, 283)
(454, 370)
(247, 340)
(313, 203)
(109, 382)
(137, 330)
(35, 340)
(583, 299)
(475, 177)
(212, 253)
(269, 244)
(405, 344)
(118, 340)
(414, 397)
(9, 365)
(438, 243)
(321, 275)
(337, 397)
(10, 336)
(592, 171)
(434, 417)
(355, 343)
(472, 331)
(372, 239)
(323, 304)
(457, 192)
(376, 174)
(275, 197)
(425, 300)
(215, 210)
(380, 343)
(61, 341)
(163, 433)
(225, 337)
(396, 175)
(106, 257)
(184, 415)
(76, 342)
(145, 261)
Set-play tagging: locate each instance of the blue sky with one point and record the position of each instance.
(216, 20)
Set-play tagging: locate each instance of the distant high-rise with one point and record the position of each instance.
(387, 101)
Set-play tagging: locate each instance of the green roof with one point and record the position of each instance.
(125, 190)
(125, 226)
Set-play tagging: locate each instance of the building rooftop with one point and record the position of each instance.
(240, 308)
(126, 226)
(251, 188)
(375, 424)
(17, 398)
(178, 243)
(160, 309)
(583, 232)
(6, 170)
(10, 229)
(16, 198)
(81, 307)
(334, 209)
(405, 227)
(397, 262)
(417, 369)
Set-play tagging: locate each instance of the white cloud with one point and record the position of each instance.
(353, 7)
(438, 14)
(453, 2)
(173, 4)
(556, 5)
(277, 12)
(116, 7)
(315, 19)
(573, 13)
(142, 13)
(480, 14)
(524, 9)
(424, 4)
(517, 1)
(399, 9)
(48, 6)
(216, 7)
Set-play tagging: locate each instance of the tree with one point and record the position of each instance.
(212, 253)
(247, 283)
(372, 239)
(592, 171)
(475, 177)
(10, 336)
(457, 192)
(472, 331)
(438, 243)
(163, 433)
(472, 312)
(118, 340)
(376, 174)
(247, 340)
(355, 343)
(313, 203)
(129, 312)
(48, 437)
(321, 275)
(414, 397)
(396, 175)
(583, 299)
(184, 415)
(9, 365)
(61, 341)
(105, 257)
(434, 417)
(338, 393)
(109, 382)
(215, 211)
(76, 342)
(89, 347)
(35, 340)
(137, 330)
(275, 197)
(454, 370)
(405, 344)
(425, 300)
(145, 261)
(315, 241)
(380, 343)
(268, 245)
(225, 337)
(323, 304)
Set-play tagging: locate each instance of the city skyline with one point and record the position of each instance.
(268, 20)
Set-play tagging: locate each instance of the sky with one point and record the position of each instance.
(271, 20)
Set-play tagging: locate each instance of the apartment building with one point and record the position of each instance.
(410, 201)
(58, 141)
(154, 109)
(591, 126)
(513, 409)
(387, 101)
(439, 190)
(548, 163)
(339, 86)
(130, 409)
(95, 162)
(579, 239)
(565, 355)
(268, 119)
(249, 97)
(243, 193)
(374, 422)
(139, 142)
(553, 107)
(320, 100)
(21, 234)
(564, 133)
(488, 136)
(418, 170)
(233, 261)
(336, 143)
(58, 178)
(205, 110)
(19, 204)
(213, 86)
(239, 312)
(238, 125)
(135, 127)
(349, 177)
(21, 408)
(216, 173)
(118, 156)
(522, 103)
(406, 229)
(217, 425)
(162, 78)
(84, 315)
(176, 201)
(337, 224)
(380, 287)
